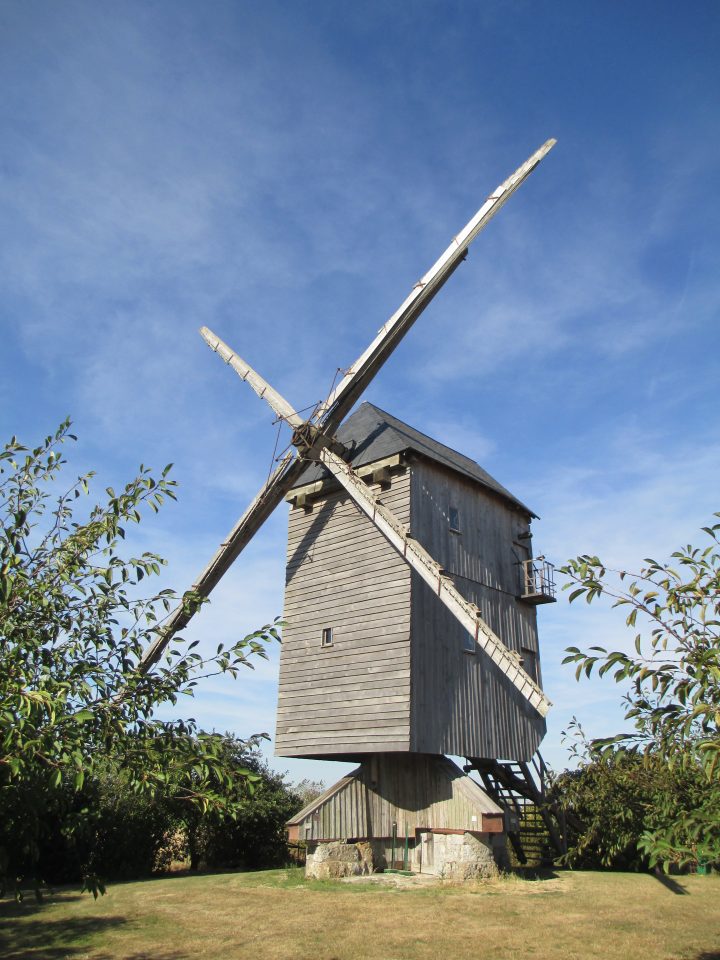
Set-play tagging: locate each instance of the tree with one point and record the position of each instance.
(673, 674)
(252, 834)
(73, 625)
(132, 835)
(617, 796)
(308, 790)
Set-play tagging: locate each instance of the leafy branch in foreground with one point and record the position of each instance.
(73, 626)
(673, 672)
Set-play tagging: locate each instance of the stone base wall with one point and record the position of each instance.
(462, 856)
(450, 856)
(328, 861)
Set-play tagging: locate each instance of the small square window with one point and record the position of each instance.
(327, 636)
(529, 663)
(454, 517)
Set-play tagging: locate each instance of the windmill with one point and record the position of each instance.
(325, 475)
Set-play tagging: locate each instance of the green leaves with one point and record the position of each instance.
(673, 674)
(73, 625)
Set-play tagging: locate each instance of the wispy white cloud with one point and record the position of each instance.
(284, 176)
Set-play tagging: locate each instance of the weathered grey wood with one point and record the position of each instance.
(322, 750)
(288, 702)
(363, 592)
(333, 579)
(380, 639)
(395, 678)
(340, 665)
(417, 792)
(455, 702)
(310, 491)
(305, 654)
(423, 564)
(396, 721)
(349, 708)
(341, 519)
(328, 562)
(325, 744)
(325, 741)
(384, 617)
(352, 654)
(347, 687)
(483, 713)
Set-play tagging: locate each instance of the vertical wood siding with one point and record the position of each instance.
(352, 697)
(410, 790)
(462, 704)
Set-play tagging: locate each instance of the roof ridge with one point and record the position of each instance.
(426, 436)
(371, 434)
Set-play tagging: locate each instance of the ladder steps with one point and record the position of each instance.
(540, 833)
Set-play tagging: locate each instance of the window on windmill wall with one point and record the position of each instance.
(327, 636)
(529, 665)
(468, 642)
(454, 517)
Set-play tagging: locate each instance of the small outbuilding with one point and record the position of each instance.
(402, 811)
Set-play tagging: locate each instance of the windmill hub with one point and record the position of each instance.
(309, 440)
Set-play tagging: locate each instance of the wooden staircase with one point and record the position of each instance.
(536, 824)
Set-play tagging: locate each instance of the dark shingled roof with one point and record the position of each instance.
(372, 434)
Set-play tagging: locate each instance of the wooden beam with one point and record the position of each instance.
(244, 530)
(394, 465)
(258, 383)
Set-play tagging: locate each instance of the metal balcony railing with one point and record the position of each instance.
(538, 581)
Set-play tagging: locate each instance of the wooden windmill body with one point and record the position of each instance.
(371, 661)
(410, 600)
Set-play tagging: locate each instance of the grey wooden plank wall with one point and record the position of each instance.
(410, 790)
(354, 696)
(462, 704)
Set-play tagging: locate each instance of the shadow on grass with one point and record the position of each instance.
(677, 888)
(708, 955)
(535, 873)
(49, 939)
(188, 874)
(39, 938)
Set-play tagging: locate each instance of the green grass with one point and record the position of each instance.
(277, 914)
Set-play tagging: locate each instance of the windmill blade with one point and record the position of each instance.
(341, 399)
(259, 384)
(272, 493)
(466, 613)
(259, 510)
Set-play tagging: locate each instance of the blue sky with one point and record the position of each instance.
(283, 173)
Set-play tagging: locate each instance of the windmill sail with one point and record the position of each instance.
(359, 375)
(272, 493)
(413, 553)
(314, 440)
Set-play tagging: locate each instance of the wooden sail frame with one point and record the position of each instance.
(314, 440)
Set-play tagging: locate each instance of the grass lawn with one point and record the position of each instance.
(277, 914)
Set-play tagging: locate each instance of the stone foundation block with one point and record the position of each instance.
(328, 861)
(463, 857)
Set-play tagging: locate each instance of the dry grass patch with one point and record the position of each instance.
(277, 914)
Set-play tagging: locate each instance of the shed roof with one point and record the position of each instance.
(322, 798)
(424, 791)
(373, 434)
